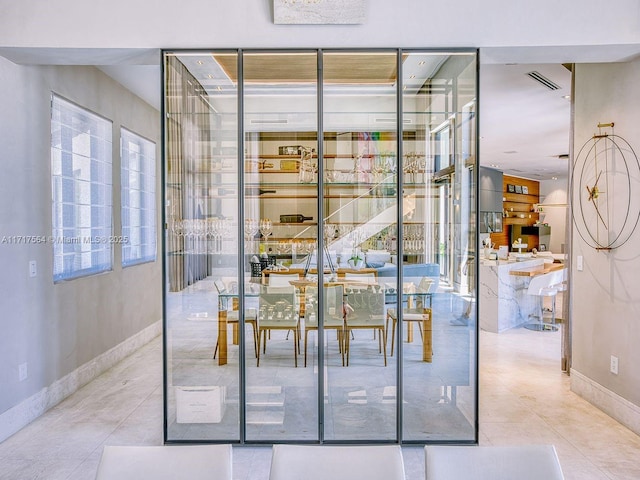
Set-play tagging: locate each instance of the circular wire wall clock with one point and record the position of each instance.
(605, 186)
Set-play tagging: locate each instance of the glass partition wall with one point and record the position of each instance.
(320, 246)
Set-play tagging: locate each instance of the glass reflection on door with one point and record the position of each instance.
(360, 217)
(438, 334)
(261, 344)
(201, 199)
(280, 212)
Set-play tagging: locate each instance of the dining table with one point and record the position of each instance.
(415, 298)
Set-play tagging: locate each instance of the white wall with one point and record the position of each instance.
(606, 300)
(55, 329)
(553, 196)
(249, 24)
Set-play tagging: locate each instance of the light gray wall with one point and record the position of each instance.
(498, 24)
(57, 328)
(606, 297)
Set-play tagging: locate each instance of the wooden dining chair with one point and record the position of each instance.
(333, 314)
(415, 311)
(233, 317)
(366, 311)
(278, 310)
(409, 315)
(282, 279)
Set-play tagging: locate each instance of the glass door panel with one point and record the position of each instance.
(201, 324)
(281, 214)
(263, 346)
(360, 216)
(439, 330)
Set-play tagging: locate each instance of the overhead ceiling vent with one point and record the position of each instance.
(538, 77)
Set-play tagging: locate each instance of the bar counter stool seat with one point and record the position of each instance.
(545, 286)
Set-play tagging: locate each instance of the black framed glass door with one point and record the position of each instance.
(309, 295)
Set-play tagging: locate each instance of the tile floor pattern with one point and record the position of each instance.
(524, 398)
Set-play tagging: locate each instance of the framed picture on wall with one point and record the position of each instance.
(511, 188)
(525, 189)
(518, 188)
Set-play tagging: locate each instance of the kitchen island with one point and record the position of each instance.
(504, 301)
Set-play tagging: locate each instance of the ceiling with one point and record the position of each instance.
(524, 126)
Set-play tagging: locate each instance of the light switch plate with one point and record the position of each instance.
(33, 268)
(614, 365)
(580, 263)
(23, 372)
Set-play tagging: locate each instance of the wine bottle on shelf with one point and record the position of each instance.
(258, 191)
(220, 192)
(295, 218)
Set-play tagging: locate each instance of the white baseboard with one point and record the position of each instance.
(625, 412)
(28, 410)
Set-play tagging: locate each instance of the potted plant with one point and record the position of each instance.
(356, 261)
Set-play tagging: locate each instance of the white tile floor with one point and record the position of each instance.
(524, 398)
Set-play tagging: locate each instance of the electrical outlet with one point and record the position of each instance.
(614, 365)
(23, 373)
(33, 268)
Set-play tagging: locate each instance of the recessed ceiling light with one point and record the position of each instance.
(554, 178)
(200, 62)
(219, 88)
(566, 97)
(209, 76)
(412, 76)
(494, 165)
(422, 62)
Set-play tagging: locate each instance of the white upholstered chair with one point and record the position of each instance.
(195, 462)
(324, 462)
(521, 462)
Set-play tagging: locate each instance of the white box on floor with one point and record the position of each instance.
(200, 404)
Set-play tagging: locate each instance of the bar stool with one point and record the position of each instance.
(545, 286)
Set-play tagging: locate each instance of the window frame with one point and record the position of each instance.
(86, 242)
(147, 200)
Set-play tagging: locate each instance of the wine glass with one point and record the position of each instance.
(250, 228)
(266, 227)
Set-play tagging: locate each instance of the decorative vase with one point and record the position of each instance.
(355, 264)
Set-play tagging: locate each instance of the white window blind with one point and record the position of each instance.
(138, 177)
(81, 186)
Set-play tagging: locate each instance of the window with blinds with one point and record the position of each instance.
(81, 151)
(138, 177)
